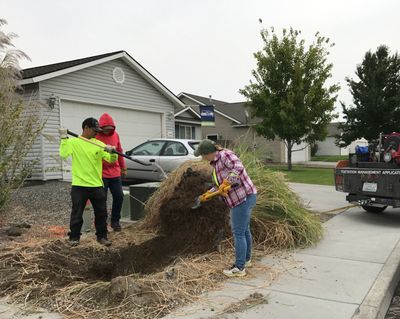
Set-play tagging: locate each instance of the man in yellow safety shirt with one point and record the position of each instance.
(87, 182)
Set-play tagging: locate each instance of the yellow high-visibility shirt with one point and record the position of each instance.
(86, 160)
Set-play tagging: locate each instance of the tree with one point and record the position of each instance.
(19, 122)
(290, 95)
(376, 98)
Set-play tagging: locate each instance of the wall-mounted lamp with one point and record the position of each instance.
(52, 101)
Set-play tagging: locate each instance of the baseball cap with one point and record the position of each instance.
(205, 147)
(92, 123)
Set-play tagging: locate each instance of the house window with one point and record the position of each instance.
(212, 137)
(185, 131)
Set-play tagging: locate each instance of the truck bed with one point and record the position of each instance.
(369, 185)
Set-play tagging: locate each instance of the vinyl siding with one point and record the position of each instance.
(95, 85)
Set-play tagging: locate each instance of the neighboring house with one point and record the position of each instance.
(71, 91)
(328, 147)
(232, 121)
(187, 123)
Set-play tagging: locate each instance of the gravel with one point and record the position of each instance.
(47, 203)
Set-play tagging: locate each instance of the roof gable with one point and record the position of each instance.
(220, 107)
(41, 73)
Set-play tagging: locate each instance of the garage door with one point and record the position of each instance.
(133, 127)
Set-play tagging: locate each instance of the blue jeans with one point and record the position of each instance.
(115, 186)
(240, 223)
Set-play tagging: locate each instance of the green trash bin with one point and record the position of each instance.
(139, 194)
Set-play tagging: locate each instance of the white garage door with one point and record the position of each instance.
(133, 127)
(303, 155)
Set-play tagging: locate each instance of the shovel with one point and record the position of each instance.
(116, 152)
(222, 190)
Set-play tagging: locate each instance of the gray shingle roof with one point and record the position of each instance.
(235, 110)
(45, 69)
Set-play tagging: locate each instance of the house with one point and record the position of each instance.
(328, 146)
(71, 91)
(233, 121)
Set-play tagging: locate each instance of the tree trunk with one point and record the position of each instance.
(289, 154)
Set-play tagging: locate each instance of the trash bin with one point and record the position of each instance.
(139, 194)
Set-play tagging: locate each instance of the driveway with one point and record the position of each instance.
(319, 198)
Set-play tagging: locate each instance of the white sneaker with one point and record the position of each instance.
(248, 264)
(234, 272)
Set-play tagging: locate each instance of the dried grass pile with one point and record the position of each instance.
(279, 219)
(81, 282)
(169, 211)
(165, 261)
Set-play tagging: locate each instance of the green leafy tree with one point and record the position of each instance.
(290, 96)
(19, 122)
(376, 98)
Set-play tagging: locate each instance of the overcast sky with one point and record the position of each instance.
(198, 46)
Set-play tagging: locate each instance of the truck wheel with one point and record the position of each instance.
(373, 209)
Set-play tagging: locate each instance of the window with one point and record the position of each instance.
(212, 137)
(149, 148)
(175, 149)
(185, 131)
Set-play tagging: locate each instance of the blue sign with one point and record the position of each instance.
(207, 115)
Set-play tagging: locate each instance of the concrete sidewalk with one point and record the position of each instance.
(351, 273)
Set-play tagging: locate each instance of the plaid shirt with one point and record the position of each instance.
(226, 162)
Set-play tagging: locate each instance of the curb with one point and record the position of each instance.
(376, 303)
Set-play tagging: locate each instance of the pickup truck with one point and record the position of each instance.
(371, 175)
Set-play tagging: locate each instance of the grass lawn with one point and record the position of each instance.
(307, 175)
(329, 158)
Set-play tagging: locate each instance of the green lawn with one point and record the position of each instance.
(329, 158)
(307, 175)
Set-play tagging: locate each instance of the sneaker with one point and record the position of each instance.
(104, 241)
(73, 242)
(234, 272)
(116, 227)
(248, 264)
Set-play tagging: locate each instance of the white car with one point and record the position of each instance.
(161, 156)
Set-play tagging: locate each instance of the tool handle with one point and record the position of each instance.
(115, 151)
(208, 195)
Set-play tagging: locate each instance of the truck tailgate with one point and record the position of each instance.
(369, 182)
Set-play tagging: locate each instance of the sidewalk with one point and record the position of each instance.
(350, 274)
(318, 164)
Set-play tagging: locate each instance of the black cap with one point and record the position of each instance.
(91, 122)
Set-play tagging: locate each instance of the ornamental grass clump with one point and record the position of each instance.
(279, 219)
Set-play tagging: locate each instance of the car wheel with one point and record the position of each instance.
(373, 209)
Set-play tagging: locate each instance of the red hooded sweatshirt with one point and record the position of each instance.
(111, 170)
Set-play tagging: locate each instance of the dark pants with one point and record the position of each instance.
(79, 197)
(115, 186)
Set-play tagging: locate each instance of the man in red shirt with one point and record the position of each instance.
(113, 172)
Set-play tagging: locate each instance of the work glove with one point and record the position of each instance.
(63, 132)
(110, 149)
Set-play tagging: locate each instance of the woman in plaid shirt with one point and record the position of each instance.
(241, 199)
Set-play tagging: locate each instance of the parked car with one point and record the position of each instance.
(165, 153)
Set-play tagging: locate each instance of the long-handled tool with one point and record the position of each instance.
(116, 152)
(222, 190)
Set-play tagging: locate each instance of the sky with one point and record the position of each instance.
(204, 47)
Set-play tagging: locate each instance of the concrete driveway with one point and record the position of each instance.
(319, 198)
